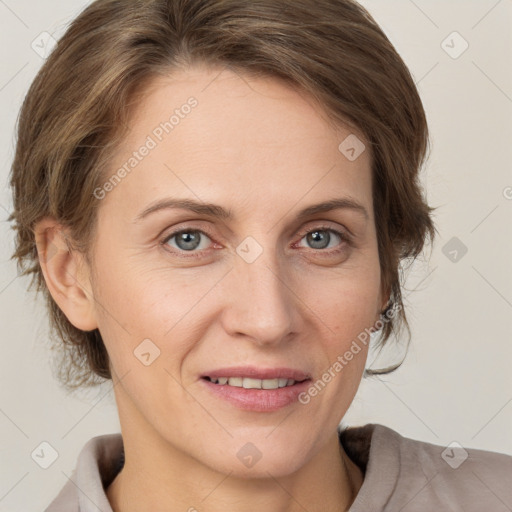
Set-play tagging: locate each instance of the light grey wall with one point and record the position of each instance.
(456, 383)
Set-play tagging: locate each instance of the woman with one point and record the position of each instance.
(215, 197)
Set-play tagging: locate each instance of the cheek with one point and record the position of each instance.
(352, 309)
(349, 306)
(347, 299)
(145, 310)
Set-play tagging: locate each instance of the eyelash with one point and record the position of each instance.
(345, 239)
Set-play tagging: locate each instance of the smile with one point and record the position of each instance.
(250, 383)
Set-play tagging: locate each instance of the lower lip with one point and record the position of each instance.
(260, 400)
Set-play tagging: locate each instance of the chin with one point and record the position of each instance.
(257, 458)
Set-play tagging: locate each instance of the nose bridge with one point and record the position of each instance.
(261, 304)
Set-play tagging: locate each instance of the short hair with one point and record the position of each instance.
(77, 109)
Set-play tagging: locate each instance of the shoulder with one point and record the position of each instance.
(96, 467)
(412, 476)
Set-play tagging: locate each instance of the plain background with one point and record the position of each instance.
(455, 384)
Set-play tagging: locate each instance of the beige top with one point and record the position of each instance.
(400, 474)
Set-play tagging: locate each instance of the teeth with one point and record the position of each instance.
(249, 383)
(270, 384)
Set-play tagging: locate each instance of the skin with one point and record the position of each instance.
(264, 151)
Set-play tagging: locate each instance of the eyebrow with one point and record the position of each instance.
(217, 211)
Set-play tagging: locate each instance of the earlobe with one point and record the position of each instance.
(66, 274)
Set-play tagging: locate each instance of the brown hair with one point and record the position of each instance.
(77, 108)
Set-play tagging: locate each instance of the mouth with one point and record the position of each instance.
(256, 394)
(252, 383)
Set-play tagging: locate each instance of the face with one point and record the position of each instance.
(180, 293)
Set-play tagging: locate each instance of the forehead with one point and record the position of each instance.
(219, 135)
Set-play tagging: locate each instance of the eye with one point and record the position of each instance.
(187, 240)
(193, 241)
(321, 238)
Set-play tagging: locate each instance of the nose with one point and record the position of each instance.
(260, 302)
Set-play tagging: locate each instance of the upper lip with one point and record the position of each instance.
(258, 373)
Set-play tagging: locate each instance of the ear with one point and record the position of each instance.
(66, 273)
